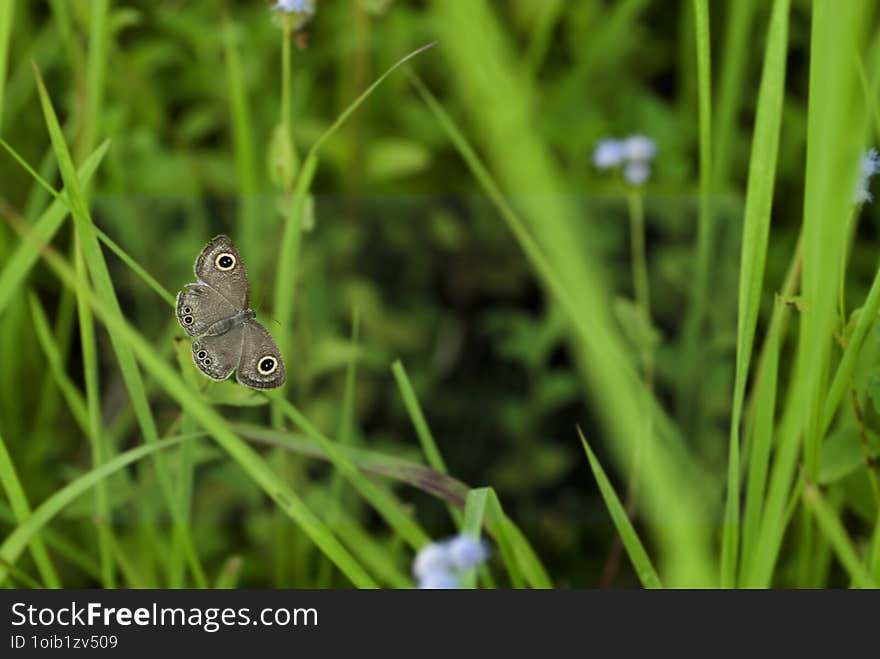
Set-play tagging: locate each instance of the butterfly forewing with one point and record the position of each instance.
(220, 266)
(200, 306)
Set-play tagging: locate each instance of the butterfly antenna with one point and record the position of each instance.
(260, 305)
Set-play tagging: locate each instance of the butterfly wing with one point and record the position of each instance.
(220, 266)
(261, 366)
(199, 306)
(217, 356)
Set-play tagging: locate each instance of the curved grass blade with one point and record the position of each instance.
(435, 483)
(6, 14)
(21, 510)
(634, 548)
(19, 264)
(16, 541)
(472, 524)
(384, 503)
(75, 401)
(288, 253)
(834, 532)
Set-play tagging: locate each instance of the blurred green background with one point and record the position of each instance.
(399, 230)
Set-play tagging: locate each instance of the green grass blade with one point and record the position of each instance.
(346, 426)
(735, 56)
(756, 233)
(72, 395)
(843, 375)
(23, 577)
(384, 503)
(832, 159)
(131, 574)
(7, 8)
(689, 380)
(410, 401)
(60, 545)
(761, 442)
(96, 70)
(167, 296)
(472, 525)
(288, 255)
(101, 450)
(21, 510)
(19, 264)
(229, 574)
(356, 103)
(423, 431)
(371, 552)
(634, 548)
(834, 135)
(439, 485)
(832, 528)
(16, 541)
(523, 565)
(243, 143)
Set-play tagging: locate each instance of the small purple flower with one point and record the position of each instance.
(439, 580)
(636, 173)
(633, 153)
(870, 165)
(638, 148)
(608, 154)
(465, 552)
(431, 559)
(295, 6)
(443, 564)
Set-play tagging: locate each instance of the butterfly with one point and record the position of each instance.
(215, 311)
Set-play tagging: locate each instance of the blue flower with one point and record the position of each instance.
(638, 148)
(465, 552)
(608, 154)
(295, 6)
(636, 172)
(438, 580)
(633, 153)
(870, 165)
(443, 564)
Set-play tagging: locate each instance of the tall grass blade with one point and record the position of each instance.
(20, 262)
(756, 233)
(832, 528)
(16, 541)
(21, 510)
(634, 548)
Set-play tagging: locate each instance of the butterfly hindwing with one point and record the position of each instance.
(261, 366)
(217, 356)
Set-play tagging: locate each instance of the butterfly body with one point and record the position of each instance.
(226, 337)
